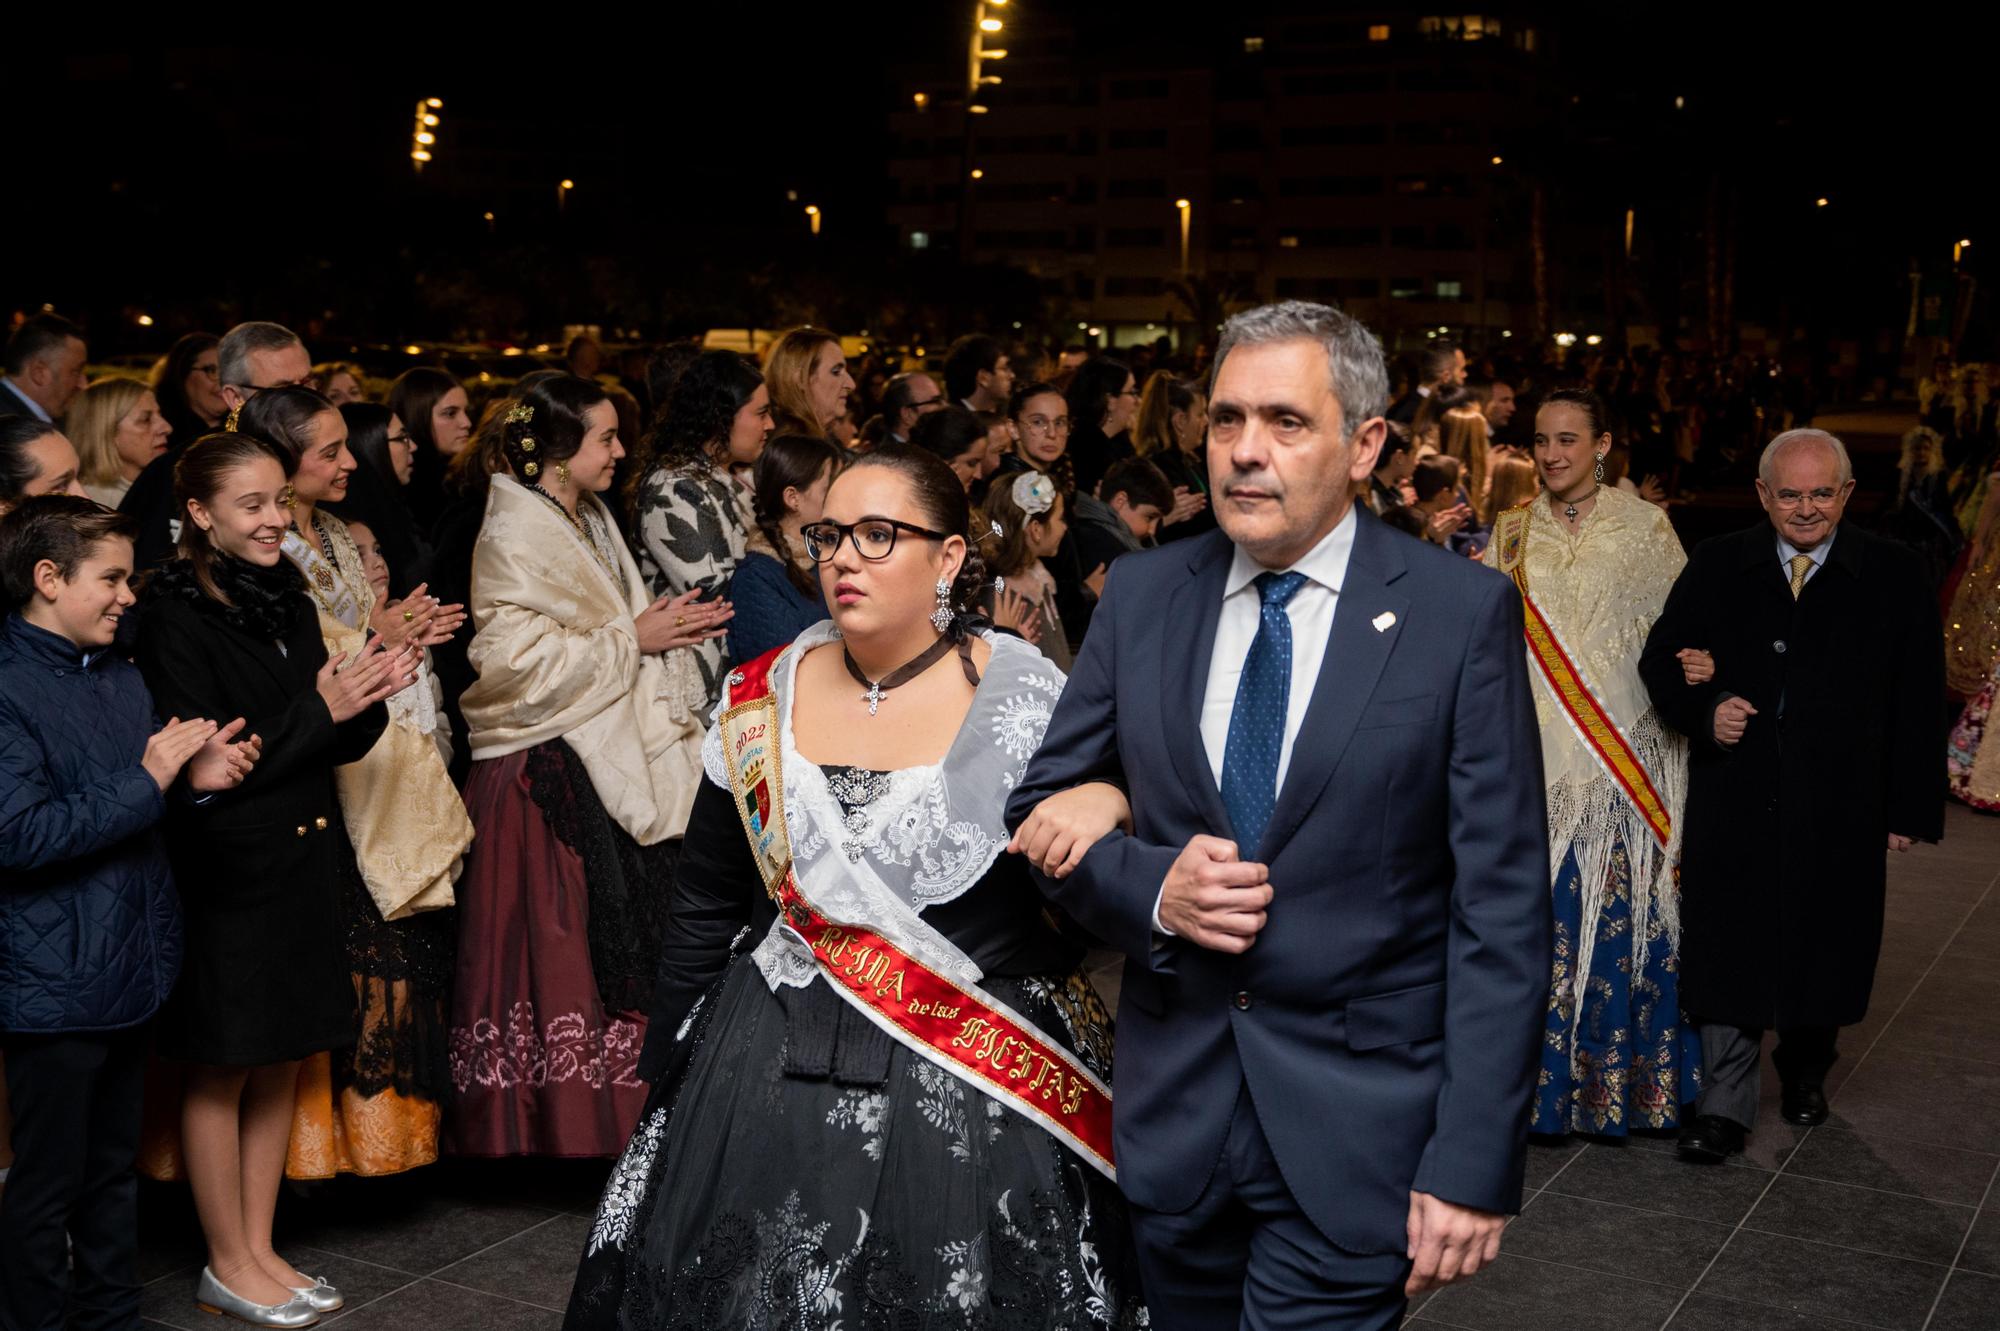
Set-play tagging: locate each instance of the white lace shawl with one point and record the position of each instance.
(1600, 589)
(933, 834)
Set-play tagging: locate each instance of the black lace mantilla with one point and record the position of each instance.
(265, 602)
(402, 978)
(628, 882)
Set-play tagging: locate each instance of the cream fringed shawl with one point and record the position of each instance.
(1601, 589)
(405, 818)
(557, 653)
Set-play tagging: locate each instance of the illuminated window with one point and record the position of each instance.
(1378, 32)
(920, 240)
(1252, 45)
(1288, 242)
(1451, 290)
(1459, 27)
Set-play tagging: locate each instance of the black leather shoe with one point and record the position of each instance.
(1710, 1140)
(1803, 1106)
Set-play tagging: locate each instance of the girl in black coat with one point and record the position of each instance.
(265, 980)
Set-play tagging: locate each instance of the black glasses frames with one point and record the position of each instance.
(874, 538)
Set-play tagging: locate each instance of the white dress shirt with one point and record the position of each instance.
(1311, 612)
(1818, 554)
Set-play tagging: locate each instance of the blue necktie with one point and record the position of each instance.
(1257, 723)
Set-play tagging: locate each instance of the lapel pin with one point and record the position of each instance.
(1385, 621)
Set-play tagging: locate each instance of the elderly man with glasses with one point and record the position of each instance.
(1804, 662)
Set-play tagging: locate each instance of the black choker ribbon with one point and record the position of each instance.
(903, 674)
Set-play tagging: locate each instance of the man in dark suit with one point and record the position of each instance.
(1333, 901)
(1814, 750)
(44, 368)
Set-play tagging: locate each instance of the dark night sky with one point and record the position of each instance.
(195, 180)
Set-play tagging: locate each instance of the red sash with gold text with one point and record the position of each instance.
(1592, 723)
(957, 1026)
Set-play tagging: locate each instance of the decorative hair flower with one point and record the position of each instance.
(1034, 493)
(519, 412)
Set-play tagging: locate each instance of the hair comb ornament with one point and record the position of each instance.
(519, 412)
(1034, 493)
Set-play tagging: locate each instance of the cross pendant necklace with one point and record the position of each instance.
(1569, 510)
(901, 675)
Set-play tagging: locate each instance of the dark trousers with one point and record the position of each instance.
(76, 1103)
(1244, 1255)
(1731, 1056)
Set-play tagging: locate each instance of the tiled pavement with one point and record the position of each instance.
(1887, 1217)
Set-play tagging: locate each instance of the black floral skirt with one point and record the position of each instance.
(752, 1197)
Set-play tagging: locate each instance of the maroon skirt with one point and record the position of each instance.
(541, 1063)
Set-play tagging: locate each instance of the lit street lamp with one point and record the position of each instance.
(423, 137)
(812, 217)
(1959, 248)
(563, 187)
(1186, 207)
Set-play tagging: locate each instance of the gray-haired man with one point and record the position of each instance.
(250, 358)
(1803, 661)
(1333, 902)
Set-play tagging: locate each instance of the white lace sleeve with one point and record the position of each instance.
(711, 746)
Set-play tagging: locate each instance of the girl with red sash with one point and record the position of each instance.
(1594, 566)
(881, 1081)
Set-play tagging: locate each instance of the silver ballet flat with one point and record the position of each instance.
(214, 1297)
(323, 1297)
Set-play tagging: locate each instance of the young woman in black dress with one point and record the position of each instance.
(838, 1144)
(228, 628)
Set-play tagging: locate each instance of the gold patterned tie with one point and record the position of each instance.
(1800, 565)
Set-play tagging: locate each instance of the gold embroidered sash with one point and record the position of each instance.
(1599, 731)
(954, 1025)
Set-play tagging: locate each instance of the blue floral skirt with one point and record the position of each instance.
(1636, 1062)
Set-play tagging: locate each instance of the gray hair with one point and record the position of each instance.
(232, 354)
(1353, 354)
(1767, 466)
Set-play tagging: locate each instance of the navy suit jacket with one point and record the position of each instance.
(1388, 1018)
(12, 403)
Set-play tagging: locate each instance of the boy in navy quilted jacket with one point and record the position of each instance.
(90, 932)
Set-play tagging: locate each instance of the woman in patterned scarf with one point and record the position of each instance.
(690, 511)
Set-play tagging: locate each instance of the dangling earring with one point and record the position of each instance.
(941, 617)
(288, 497)
(562, 473)
(1600, 468)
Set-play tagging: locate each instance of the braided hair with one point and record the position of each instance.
(791, 461)
(1063, 470)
